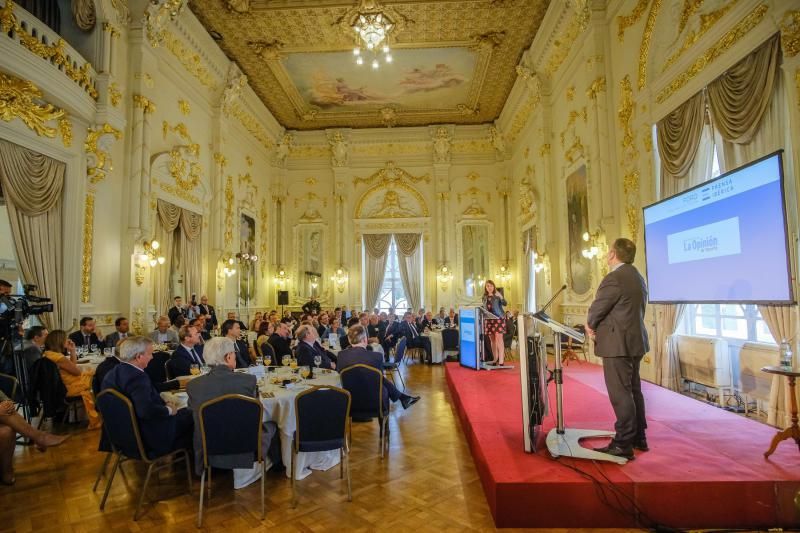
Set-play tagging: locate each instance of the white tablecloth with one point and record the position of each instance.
(280, 409)
(436, 345)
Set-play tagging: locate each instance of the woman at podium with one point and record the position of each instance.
(494, 328)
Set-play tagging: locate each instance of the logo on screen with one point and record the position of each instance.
(702, 245)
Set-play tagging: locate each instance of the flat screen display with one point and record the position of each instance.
(723, 241)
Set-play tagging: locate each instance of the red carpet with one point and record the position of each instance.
(705, 467)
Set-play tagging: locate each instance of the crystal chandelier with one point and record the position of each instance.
(372, 28)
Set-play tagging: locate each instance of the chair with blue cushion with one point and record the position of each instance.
(156, 370)
(322, 420)
(394, 365)
(365, 385)
(122, 429)
(169, 370)
(450, 342)
(230, 424)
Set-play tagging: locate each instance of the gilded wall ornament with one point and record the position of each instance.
(338, 149)
(391, 173)
(183, 105)
(566, 39)
(263, 229)
(498, 142)
(187, 174)
(626, 21)
(391, 178)
(707, 20)
(23, 100)
(625, 117)
(388, 116)
(144, 103)
(220, 159)
(544, 150)
(644, 47)
(157, 15)
(229, 199)
(790, 33)
(441, 145)
(251, 125)
(283, 149)
(731, 37)
(190, 59)
(597, 86)
(88, 238)
(570, 94)
(235, 81)
(97, 147)
(114, 94)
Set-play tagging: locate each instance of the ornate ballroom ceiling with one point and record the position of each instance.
(453, 60)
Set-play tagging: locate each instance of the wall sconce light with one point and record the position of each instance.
(245, 258)
(593, 245)
(339, 278)
(444, 275)
(540, 261)
(229, 270)
(504, 275)
(150, 255)
(280, 278)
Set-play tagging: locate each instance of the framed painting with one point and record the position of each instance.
(579, 267)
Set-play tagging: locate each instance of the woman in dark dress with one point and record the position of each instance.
(493, 302)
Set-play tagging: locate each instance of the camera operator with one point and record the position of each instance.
(34, 345)
(87, 335)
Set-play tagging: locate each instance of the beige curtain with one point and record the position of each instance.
(32, 186)
(84, 14)
(665, 353)
(377, 248)
(678, 135)
(740, 100)
(409, 258)
(782, 324)
(169, 216)
(191, 225)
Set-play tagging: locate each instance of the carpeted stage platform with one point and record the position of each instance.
(705, 467)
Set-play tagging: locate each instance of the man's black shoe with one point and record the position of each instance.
(407, 401)
(641, 445)
(617, 451)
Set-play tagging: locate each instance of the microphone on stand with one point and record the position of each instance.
(550, 302)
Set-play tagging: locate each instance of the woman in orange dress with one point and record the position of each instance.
(77, 382)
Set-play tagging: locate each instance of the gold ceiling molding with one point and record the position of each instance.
(626, 21)
(157, 15)
(565, 41)
(790, 33)
(88, 238)
(191, 60)
(309, 151)
(346, 22)
(472, 146)
(644, 47)
(388, 149)
(391, 174)
(251, 125)
(521, 118)
(55, 53)
(278, 37)
(707, 21)
(731, 37)
(23, 100)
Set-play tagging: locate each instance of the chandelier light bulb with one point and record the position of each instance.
(154, 245)
(356, 51)
(370, 46)
(161, 260)
(153, 262)
(586, 236)
(388, 58)
(375, 64)
(385, 48)
(359, 61)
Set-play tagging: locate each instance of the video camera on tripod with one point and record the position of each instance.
(18, 307)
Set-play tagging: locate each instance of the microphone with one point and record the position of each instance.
(549, 303)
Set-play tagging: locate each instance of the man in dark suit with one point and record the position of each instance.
(163, 426)
(280, 340)
(308, 348)
(208, 310)
(312, 307)
(222, 380)
(232, 330)
(408, 329)
(616, 323)
(87, 335)
(176, 310)
(122, 328)
(188, 353)
(34, 345)
(357, 353)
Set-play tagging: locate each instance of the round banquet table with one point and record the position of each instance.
(279, 407)
(436, 345)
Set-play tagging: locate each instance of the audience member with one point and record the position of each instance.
(256, 321)
(122, 327)
(34, 345)
(312, 306)
(439, 319)
(451, 320)
(163, 334)
(12, 423)
(308, 348)
(179, 322)
(209, 312)
(87, 335)
(75, 381)
(176, 310)
(163, 427)
(427, 321)
(232, 316)
(408, 329)
(357, 353)
(232, 329)
(188, 353)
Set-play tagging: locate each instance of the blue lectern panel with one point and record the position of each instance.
(467, 317)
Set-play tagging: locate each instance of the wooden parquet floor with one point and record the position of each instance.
(428, 482)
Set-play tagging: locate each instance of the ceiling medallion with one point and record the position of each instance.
(372, 27)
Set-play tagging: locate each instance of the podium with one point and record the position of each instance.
(561, 440)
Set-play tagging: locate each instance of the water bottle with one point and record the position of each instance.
(786, 354)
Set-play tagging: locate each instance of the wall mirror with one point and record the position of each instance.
(474, 257)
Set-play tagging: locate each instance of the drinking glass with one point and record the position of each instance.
(286, 359)
(194, 370)
(259, 360)
(293, 363)
(317, 360)
(305, 372)
(93, 348)
(267, 360)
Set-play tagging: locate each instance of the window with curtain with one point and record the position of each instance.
(392, 295)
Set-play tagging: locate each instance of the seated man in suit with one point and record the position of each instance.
(163, 426)
(220, 355)
(163, 334)
(308, 348)
(232, 330)
(358, 354)
(451, 320)
(122, 328)
(408, 329)
(87, 335)
(232, 316)
(427, 321)
(188, 353)
(176, 310)
(108, 365)
(280, 341)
